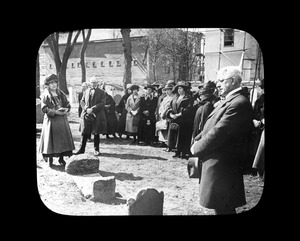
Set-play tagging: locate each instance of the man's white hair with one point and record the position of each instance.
(229, 72)
(93, 79)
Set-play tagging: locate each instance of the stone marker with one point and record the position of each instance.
(96, 187)
(148, 202)
(82, 164)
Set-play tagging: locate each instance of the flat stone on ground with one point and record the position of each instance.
(82, 164)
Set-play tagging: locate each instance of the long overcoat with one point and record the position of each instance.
(222, 147)
(110, 114)
(96, 102)
(56, 136)
(132, 121)
(185, 121)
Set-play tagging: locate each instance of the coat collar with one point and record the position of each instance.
(224, 102)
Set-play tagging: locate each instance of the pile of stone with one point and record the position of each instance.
(84, 169)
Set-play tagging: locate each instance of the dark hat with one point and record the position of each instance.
(208, 88)
(182, 84)
(50, 78)
(168, 86)
(150, 86)
(156, 84)
(134, 87)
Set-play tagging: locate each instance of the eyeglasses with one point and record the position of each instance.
(222, 80)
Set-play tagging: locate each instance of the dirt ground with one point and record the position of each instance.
(134, 167)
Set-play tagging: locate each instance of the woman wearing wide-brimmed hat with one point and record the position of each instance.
(146, 132)
(162, 122)
(181, 113)
(56, 137)
(133, 115)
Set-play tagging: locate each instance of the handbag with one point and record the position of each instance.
(194, 167)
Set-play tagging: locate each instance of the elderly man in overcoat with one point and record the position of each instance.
(93, 120)
(222, 146)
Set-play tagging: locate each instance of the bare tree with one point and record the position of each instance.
(127, 56)
(61, 65)
(85, 40)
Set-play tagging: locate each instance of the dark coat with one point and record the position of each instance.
(96, 102)
(121, 110)
(205, 107)
(110, 114)
(147, 122)
(185, 121)
(222, 146)
(79, 106)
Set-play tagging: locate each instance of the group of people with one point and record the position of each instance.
(215, 124)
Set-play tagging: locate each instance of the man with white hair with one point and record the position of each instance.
(222, 146)
(93, 120)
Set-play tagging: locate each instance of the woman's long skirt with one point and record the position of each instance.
(56, 137)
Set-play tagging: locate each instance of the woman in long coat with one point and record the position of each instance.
(162, 123)
(56, 137)
(133, 114)
(121, 110)
(146, 132)
(181, 113)
(111, 118)
(204, 107)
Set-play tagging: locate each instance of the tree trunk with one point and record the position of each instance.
(127, 56)
(37, 77)
(82, 52)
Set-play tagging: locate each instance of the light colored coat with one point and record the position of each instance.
(132, 121)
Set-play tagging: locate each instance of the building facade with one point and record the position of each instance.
(224, 47)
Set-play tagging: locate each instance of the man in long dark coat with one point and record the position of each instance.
(222, 146)
(111, 118)
(93, 120)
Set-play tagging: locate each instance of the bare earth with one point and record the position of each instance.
(134, 167)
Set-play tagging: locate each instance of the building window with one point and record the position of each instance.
(72, 65)
(118, 63)
(110, 64)
(78, 65)
(87, 64)
(228, 37)
(102, 64)
(94, 65)
(50, 66)
(135, 62)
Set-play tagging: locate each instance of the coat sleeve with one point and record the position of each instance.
(235, 120)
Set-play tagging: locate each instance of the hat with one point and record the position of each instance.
(50, 78)
(155, 84)
(134, 87)
(150, 86)
(182, 84)
(128, 86)
(208, 88)
(171, 82)
(168, 86)
(229, 72)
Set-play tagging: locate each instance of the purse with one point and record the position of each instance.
(194, 167)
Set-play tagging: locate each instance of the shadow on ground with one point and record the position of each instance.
(132, 156)
(121, 176)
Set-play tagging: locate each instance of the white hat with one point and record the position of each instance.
(128, 86)
(229, 72)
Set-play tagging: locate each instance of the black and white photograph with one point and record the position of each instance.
(150, 121)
